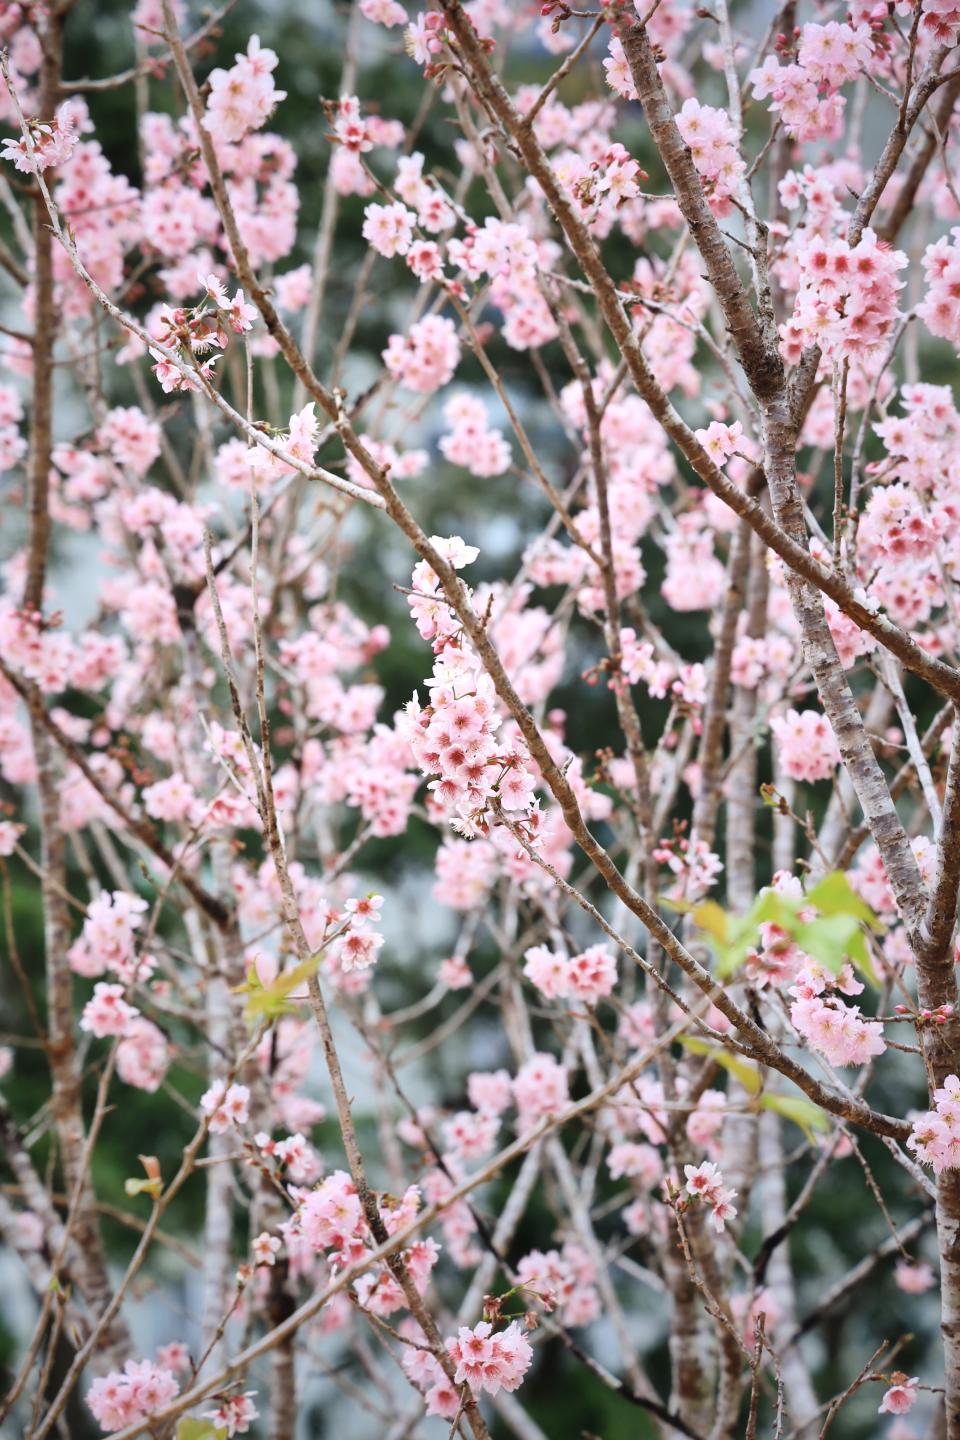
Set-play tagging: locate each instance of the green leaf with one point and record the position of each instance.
(712, 918)
(800, 1110)
(153, 1185)
(834, 939)
(143, 1187)
(769, 907)
(682, 907)
(269, 1002)
(745, 1071)
(191, 1429)
(834, 895)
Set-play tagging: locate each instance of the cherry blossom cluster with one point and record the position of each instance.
(940, 307)
(715, 147)
(693, 864)
(562, 1281)
(139, 688)
(225, 1106)
(455, 737)
(51, 143)
(330, 1219)
(847, 302)
(806, 747)
(125, 1397)
(244, 97)
(805, 91)
(589, 976)
(192, 332)
(935, 1137)
(472, 442)
(838, 1031)
(234, 1414)
(107, 1012)
(426, 358)
(108, 938)
(488, 1359)
(705, 1182)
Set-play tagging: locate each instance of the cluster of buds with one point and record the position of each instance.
(493, 1308)
(942, 1015)
(877, 20)
(611, 665)
(35, 619)
(435, 27)
(121, 752)
(785, 44)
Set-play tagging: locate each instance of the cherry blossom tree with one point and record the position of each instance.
(659, 338)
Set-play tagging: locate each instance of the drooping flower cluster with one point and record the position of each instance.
(107, 1012)
(192, 332)
(143, 1055)
(330, 1219)
(331, 1216)
(234, 1414)
(719, 440)
(512, 258)
(108, 939)
(692, 862)
(225, 1106)
(541, 1088)
(562, 1280)
(389, 229)
(457, 736)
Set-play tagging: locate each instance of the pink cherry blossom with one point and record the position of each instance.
(225, 1106)
(107, 1013)
(488, 1360)
(900, 1397)
(243, 98)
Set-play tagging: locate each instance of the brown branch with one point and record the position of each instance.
(761, 362)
